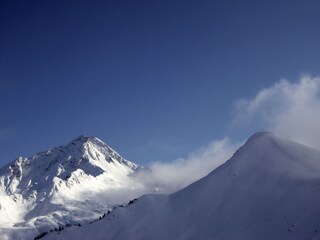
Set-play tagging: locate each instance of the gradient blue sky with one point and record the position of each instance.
(154, 79)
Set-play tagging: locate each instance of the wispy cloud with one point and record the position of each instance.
(183, 171)
(289, 109)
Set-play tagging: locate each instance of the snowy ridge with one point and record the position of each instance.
(269, 189)
(62, 185)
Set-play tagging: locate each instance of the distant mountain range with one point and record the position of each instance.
(269, 189)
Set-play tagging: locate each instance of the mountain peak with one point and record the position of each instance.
(80, 138)
(84, 138)
(84, 143)
(68, 175)
(260, 134)
(268, 153)
(89, 154)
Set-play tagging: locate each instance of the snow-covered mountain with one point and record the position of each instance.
(69, 184)
(269, 189)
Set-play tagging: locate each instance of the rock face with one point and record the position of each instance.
(62, 185)
(269, 189)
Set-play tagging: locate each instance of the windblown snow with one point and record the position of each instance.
(69, 184)
(269, 189)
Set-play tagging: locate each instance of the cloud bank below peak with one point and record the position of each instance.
(172, 176)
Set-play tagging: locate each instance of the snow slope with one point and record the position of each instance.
(69, 184)
(269, 189)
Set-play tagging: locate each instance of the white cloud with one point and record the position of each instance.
(181, 172)
(291, 110)
(288, 109)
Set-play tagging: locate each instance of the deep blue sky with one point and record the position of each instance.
(154, 79)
